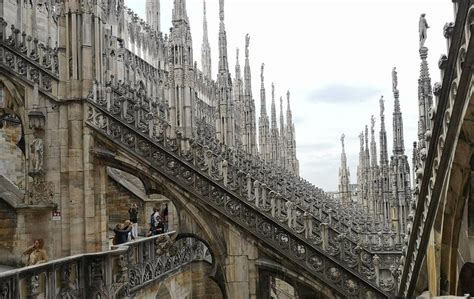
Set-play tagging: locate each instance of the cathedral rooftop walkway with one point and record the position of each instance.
(116, 273)
(338, 258)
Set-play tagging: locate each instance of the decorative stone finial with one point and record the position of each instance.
(261, 71)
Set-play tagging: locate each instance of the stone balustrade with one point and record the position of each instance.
(30, 59)
(116, 273)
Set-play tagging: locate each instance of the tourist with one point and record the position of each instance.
(121, 233)
(165, 219)
(155, 220)
(133, 216)
(36, 253)
(129, 226)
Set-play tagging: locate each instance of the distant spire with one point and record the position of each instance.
(293, 163)
(205, 48)
(247, 73)
(398, 142)
(367, 149)
(289, 116)
(282, 119)
(223, 63)
(263, 122)
(152, 8)
(274, 118)
(373, 145)
(360, 167)
(383, 135)
(263, 104)
(179, 11)
(344, 176)
(237, 65)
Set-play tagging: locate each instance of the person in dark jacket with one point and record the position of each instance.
(121, 233)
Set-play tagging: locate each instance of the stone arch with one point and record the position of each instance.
(163, 292)
(13, 97)
(117, 158)
(305, 287)
(12, 140)
(466, 280)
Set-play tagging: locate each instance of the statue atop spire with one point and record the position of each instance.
(422, 29)
(342, 141)
(372, 125)
(221, 10)
(394, 79)
(247, 41)
(382, 107)
(261, 72)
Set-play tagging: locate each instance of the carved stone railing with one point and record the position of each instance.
(116, 273)
(150, 259)
(453, 96)
(28, 58)
(358, 228)
(351, 219)
(331, 256)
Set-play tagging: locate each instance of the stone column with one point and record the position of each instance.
(240, 270)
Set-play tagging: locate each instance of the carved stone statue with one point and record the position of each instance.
(342, 140)
(372, 124)
(423, 27)
(221, 10)
(247, 41)
(394, 79)
(382, 106)
(37, 151)
(261, 71)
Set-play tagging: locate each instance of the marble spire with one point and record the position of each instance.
(152, 8)
(263, 121)
(179, 11)
(373, 144)
(273, 110)
(274, 134)
(344, 176)
(249, 104)
(398, 141)
(293, 163)
(223, 63)
(283, 146)
(383, 135)
(205, 47)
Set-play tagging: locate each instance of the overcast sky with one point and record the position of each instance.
(335, 57)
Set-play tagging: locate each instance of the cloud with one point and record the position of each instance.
(340, 93)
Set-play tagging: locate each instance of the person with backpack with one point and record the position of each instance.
(155, 220)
